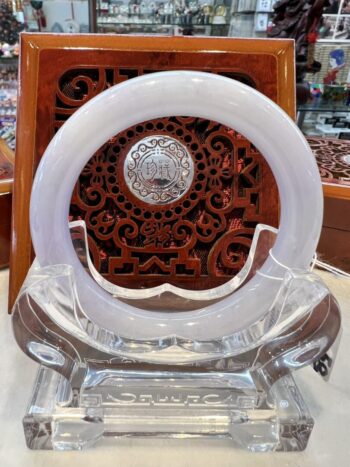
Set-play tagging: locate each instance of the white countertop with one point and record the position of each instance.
(329, 404)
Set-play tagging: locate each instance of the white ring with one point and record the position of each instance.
(176, 93)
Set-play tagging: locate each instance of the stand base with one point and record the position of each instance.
(148, 404)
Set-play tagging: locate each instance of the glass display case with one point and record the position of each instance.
(173, 17)
(324, 118)
(240, 18)
(327, 112)
(250, 18)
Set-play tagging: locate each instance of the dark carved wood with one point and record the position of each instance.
(332, 156)
(201, 240)
(333, 159)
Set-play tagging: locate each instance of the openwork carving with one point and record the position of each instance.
(78, 85)
(333, 159)
(170, 200)
(199, 239)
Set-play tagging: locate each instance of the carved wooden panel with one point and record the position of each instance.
(198, 240)
(333, 159)
(201, 239)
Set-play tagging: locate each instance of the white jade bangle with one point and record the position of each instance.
(176, 93)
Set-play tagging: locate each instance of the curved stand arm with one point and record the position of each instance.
(49, 327)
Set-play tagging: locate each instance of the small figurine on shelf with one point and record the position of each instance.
(168, 12)
(39, 14)
(220, 12)
(6, 50)
(15, 51)
(333, 91)
(316, 90)
(208, 13)
(337, 62)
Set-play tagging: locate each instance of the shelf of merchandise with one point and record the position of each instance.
(171, 29)
(318, 105)
(312, 118)
(8, 99)
(310, 114)
(231, 17)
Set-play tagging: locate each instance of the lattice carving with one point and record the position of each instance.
(199, 240)
(333, 159)
(206, 234)
(77, 86)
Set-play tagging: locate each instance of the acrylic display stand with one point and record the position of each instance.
(92, 383)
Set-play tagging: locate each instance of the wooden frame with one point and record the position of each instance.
(270, 63)
(336, 191)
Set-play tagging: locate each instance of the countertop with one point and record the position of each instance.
(328, 402)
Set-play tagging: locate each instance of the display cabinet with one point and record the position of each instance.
(240, 18)
(250, 18)
(326, 113)
(172, 17)
(325, 119)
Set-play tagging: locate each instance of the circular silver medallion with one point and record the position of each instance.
(158, 169)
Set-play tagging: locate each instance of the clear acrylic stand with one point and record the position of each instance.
(93, 383)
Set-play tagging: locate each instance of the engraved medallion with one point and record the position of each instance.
(158, 169)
